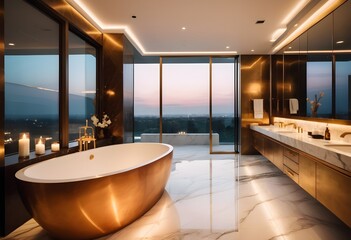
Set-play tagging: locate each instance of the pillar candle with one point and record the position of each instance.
(23, 146)
(55, 147)
(40, 147)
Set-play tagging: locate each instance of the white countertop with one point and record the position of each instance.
(315, 147)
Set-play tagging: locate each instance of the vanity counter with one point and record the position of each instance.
(318, 148)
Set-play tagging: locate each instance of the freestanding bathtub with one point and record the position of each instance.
(89, 194)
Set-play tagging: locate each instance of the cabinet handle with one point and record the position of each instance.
(291, 173)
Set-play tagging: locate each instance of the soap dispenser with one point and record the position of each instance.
(327, 133)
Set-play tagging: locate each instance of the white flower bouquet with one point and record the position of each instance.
(105, 122)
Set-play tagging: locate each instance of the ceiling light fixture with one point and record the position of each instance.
(339, 42)
(316, 16)
(11, 44)
(252, 50)
(227, 47)
(183, 28)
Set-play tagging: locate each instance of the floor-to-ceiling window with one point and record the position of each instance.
(82, 83)
(31, 74)
(173, 101)
(185, 91)
(146, 101)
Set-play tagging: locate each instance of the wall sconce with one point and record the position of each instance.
(254, 88)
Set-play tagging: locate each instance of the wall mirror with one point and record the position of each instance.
(311, 76)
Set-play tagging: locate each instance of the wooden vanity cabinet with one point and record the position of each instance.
(291, 164)
(307, 174)
(333, 190)
(272, 150)
(328, 184)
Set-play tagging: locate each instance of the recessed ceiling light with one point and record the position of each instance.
(133, 16)
(227, 47)
(11, 44)
(252, 50)
(183, 28)
(260, 21)
(296, 25)
(290, 47)
(339, 42)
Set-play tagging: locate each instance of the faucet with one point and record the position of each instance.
(344, 134)
(280, 124)
(287, 124)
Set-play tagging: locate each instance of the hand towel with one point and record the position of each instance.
(258, 108)
(293, 105)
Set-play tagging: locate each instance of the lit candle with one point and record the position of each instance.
(55, 147)
(40, 146)
(23, 145)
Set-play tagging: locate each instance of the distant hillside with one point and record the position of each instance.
(23, 101)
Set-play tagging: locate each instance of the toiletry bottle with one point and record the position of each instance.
(327, 133)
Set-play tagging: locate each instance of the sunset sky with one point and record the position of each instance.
(185, 89)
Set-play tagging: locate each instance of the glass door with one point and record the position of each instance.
(224, 118)
(185, 100)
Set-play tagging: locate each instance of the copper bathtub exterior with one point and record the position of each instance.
(92, 208)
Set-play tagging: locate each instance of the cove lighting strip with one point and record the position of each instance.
(78, 4)
(323, 11)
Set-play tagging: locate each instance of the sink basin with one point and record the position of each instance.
(340, 147)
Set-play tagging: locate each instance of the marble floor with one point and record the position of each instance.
(223, 197)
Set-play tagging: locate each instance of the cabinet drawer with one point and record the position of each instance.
(291, 154)
(291, 164)
(293, 175)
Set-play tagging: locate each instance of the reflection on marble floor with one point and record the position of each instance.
(202, 201)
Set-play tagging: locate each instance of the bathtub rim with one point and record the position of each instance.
(20, 174)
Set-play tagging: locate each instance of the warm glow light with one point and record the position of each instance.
(183, 28)
(131, 36)
(325, 9)
(110, 93)
(11, 44)
(318, 51)
(294, 11)
(339, 42)
(254, 88)
(252, 65)
(277, 34)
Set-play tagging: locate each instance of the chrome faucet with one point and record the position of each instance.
(344, 134)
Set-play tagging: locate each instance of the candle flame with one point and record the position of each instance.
(24, 136)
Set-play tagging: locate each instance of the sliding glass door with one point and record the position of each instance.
(223, 106)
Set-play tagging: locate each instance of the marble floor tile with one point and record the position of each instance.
(225, 196)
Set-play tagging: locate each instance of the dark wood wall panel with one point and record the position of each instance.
(111, 88)
(255, 84)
